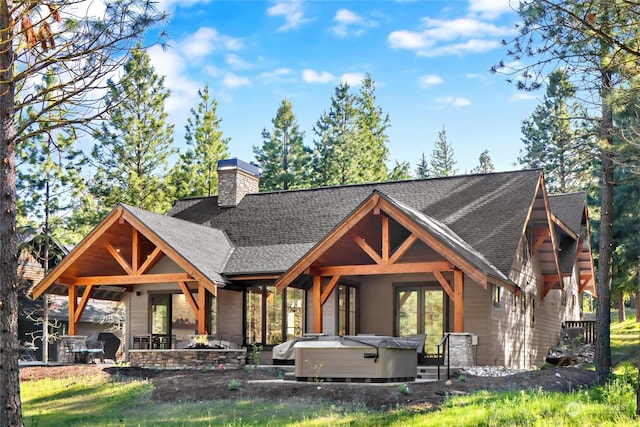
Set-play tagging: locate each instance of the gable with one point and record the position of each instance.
(123, 248)
(381, 236)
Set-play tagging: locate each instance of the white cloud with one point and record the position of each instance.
(404, 39)
(292, 11)
(277, 73)
(171, 5)
(454, 101)
(450, 37)
(429, 80)
(233, 81)
(238, 63)
(349, 23)
(491, 9)
(170, 64)
(523, 96)
(312, 76)
(352, 79)
(206, 40)
(470, 46)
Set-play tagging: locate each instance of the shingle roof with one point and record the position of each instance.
(271, 230)
(450, 239)
(569, 208)
(206, 248)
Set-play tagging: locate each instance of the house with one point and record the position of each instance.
(491, 257)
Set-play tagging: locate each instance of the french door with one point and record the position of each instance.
(421, 309)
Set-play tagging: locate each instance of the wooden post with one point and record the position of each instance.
(458, 301)
(317, 304)
(202, 309)
(73, 305)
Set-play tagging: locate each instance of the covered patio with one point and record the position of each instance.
(133, 249)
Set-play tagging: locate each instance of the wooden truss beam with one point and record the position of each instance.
(373, 269)
(136, 279)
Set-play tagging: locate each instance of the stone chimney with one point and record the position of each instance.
(235, 180)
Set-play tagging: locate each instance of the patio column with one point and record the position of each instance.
(458, 301)
(317, 304)
(73, 306)
(202, 310)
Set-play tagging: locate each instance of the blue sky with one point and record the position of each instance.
(429, 60)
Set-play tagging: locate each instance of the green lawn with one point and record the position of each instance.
(84, 401)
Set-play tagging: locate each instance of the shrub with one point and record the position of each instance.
(234, 385)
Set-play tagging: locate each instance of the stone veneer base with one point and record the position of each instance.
(188, 358)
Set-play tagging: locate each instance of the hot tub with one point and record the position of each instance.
(356, 358)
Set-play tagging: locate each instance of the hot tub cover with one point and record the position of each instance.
(376, 341)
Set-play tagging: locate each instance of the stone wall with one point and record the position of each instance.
(188, 358)
(460, 345)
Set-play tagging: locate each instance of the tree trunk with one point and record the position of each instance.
(638, 306)
(10, 406)
(605, 257)
(622, 315)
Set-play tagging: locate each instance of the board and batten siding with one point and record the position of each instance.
(229, 316)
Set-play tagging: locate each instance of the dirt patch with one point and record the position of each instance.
(264, 383)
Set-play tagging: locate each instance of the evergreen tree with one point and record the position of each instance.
(196, 171)
(335, 155)
(351, 139)
(422, 168)
(372, 126)
(283, 158)
(442, 161)
(485, 165)
(400, 172)
(556, 141)
(134, 144)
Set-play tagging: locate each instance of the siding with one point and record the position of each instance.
(229, 316)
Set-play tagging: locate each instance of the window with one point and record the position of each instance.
(532, 297)
(172, 320)
(273, 317)
(213, 315)
(347, 299)
(295, 302)
(254, 332)
(496, 295)
(523, 303)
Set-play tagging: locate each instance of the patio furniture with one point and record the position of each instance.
(94, 350)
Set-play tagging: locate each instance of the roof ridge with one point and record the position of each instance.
(365, 184)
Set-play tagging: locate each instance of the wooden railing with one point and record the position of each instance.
(588, 326)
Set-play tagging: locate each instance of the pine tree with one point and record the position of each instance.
(485, 165)
(283, 158)
(372, 126)
(442, 161)
(422, 168)
(351, 139)
(556, 141)
(335, 155)
(196, 171)
(134, 144)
